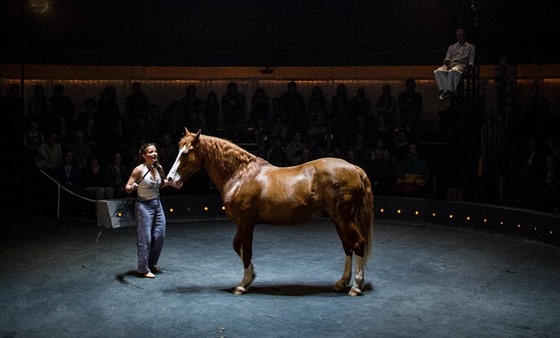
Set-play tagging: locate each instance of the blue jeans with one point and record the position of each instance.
(150, 226)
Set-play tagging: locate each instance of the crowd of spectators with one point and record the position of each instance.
(92, 150)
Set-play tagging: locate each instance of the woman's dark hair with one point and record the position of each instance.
(145, 146)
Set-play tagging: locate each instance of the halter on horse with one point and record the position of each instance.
(254, 191)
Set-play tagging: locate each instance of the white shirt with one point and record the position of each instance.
(464, 54)
(148, 188)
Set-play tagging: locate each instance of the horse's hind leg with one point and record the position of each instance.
(243, 245)
(359, 280)
(352, 243)
(346, 274)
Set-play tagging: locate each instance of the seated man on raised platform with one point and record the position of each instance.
(459, 59)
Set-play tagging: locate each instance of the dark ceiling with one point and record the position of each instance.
(273, 33)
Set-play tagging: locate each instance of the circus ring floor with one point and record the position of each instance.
(69, 278)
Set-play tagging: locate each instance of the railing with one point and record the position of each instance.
(61, 187)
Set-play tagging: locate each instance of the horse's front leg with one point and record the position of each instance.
(243, 245)
(346, 274)
(248, 277)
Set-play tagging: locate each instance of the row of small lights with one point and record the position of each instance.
(382, 211)
(172, 210)
(467, 218)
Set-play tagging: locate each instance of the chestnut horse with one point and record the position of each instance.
(253, 191)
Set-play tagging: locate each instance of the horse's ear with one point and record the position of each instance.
(197, 136)
(186, 131)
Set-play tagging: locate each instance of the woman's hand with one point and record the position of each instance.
(131, 187)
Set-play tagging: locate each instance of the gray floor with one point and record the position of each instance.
(65, 280)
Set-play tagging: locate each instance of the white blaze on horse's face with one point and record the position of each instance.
(173, 173)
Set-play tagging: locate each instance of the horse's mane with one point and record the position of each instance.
(224, 154)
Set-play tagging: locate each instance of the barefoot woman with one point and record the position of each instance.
(148, 178)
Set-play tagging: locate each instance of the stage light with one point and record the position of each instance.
(518, 226)
(119, 214)
(501, 222)
(381, 210)
(417, 212)
(171, 210)
(399, 211)
(433, 214)
(450, 216)
(485, 220)
(468, 218)
(223, 207)
(205, 208)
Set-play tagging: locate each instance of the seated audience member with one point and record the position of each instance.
(304, 156)
(294, 149)
(38, 106)
(361, 151)
(233, 109)
(117, 175)
(412, 174)
(193, 109)
(316, 124)
(90, 112)
(81, 150)
(383, 131)
(459, 59)
(381, 170)
(95, 182)
(67, 174)
(280, 129)
(316, 149)
(277, 154)
(387, 105)
(33, 137)
(49, 154)
(260, 108)
(400, 145)
(62, 107)
(409, 103)
(360, 106)
(91, 134)
(340, 117)
(69, 177)
(292, 104)
(317, 117)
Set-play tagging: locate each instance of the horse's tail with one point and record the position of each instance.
(364, 215)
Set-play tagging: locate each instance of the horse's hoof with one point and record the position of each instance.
(337, 287)
(239, 290)
(354, 291)
(340, 285)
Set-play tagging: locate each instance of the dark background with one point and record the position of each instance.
(273, 32)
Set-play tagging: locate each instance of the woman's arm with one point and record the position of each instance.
(132, 184)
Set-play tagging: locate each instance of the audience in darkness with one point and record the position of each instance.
(375, 135)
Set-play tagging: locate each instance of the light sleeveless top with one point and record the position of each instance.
(148, 188)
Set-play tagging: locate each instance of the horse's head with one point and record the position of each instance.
(188, 160)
